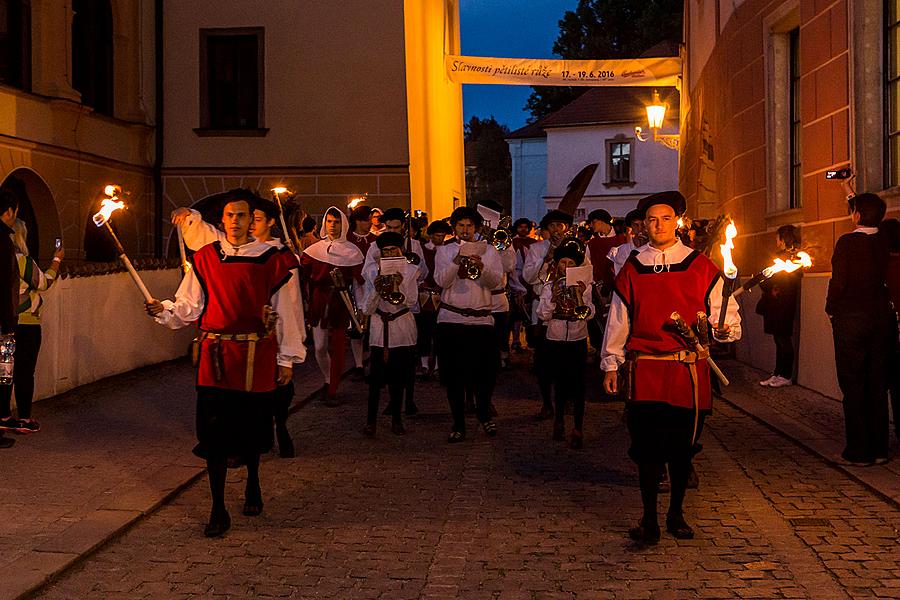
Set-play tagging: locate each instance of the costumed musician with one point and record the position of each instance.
(430, 299)
(518, 311)
(635, 237)
(566, 307)
(467, 271)
(537, 271)
(388, 299)
(603, 238)
(236, 291)
(328, 314)
(667, 377)
(197, 233)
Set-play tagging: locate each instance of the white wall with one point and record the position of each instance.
(529, 177)
(94, 327)
(815, 366)
(654, 167)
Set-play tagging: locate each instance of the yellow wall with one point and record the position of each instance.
(434, 107)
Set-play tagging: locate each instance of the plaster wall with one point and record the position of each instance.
(529, 177)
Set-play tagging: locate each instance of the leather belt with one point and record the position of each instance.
(497, 292)
(250, 338)
(466, 312)
(386, 319)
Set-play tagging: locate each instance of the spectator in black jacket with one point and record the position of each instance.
(863, 324)
(9, 274)
(890, 229)
(778, 306)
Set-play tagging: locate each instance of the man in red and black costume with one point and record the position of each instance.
(669, 380)
(328, 315)
(236, 290)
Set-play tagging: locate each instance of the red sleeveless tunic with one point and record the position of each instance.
(235, 289)
(651, 298)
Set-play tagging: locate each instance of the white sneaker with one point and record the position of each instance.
(779, 381)
(767, 382)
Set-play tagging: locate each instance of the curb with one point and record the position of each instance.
(60, 563)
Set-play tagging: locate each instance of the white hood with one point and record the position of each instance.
(339, 252)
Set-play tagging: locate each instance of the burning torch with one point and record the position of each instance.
(109, 205)
(277, 191)
(801, 260)
(729, 269)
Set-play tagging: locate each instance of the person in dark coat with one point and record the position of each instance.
(863, 323)
(9, 275)
(778, 306)
(890, 229)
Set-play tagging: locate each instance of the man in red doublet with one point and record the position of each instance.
(235, 291)
(327, 314)
(669, 379)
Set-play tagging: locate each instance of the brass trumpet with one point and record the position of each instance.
(570, 304)
(473, 271)
(388, 287)
(501, 237)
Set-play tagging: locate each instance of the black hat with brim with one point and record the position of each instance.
(600, 215)
(670, 198)
(556, 216)
(389, 238)
(569, 250)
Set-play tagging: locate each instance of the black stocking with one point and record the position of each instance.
(648, 475)
(679, 472)
(216, 468)
(252, 492)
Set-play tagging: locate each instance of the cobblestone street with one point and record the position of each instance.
(516, 516)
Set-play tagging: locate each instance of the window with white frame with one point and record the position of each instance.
(619, 168)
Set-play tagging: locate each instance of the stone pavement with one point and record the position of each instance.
(109, 453)
(516, 516)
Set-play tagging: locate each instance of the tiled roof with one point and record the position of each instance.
(611, 105)
(532, 130)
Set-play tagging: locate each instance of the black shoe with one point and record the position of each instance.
(28, 426)
(218, 524)
(490, 428)
(545, 413)
(411, 408)
(332, 401)
(253, 504)
(369, 430)
(456, 437)
(678, 527)
(576, 442)
(6, 442)
(397, 428)
(645, 533)
(559, 432)
(9, 424)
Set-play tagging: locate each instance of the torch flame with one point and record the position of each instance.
(106, 210)
(801, 261)
(680, 223)
(355, 201)
(279, 190)
(728, 266)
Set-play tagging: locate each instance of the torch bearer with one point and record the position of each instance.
(730, 271)
(110, 204)
(277, 191)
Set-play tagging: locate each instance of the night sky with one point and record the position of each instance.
(507, 28)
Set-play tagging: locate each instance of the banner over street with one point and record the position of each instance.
(660, 72)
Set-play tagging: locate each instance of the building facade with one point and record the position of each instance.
(597, 127)
(775, 95)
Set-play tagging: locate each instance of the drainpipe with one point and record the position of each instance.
(158, 137)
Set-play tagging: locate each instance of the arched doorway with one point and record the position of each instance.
(36, 208)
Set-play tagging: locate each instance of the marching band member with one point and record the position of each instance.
(536, 271)
(603, 239)
(328, 315)
(430, 299)
(566, 340)
(362, 237)
(467, 351)
(635, 238)
(668, 379)
(236, 290)
(518, 312)
(392, 333)
(197, 233)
